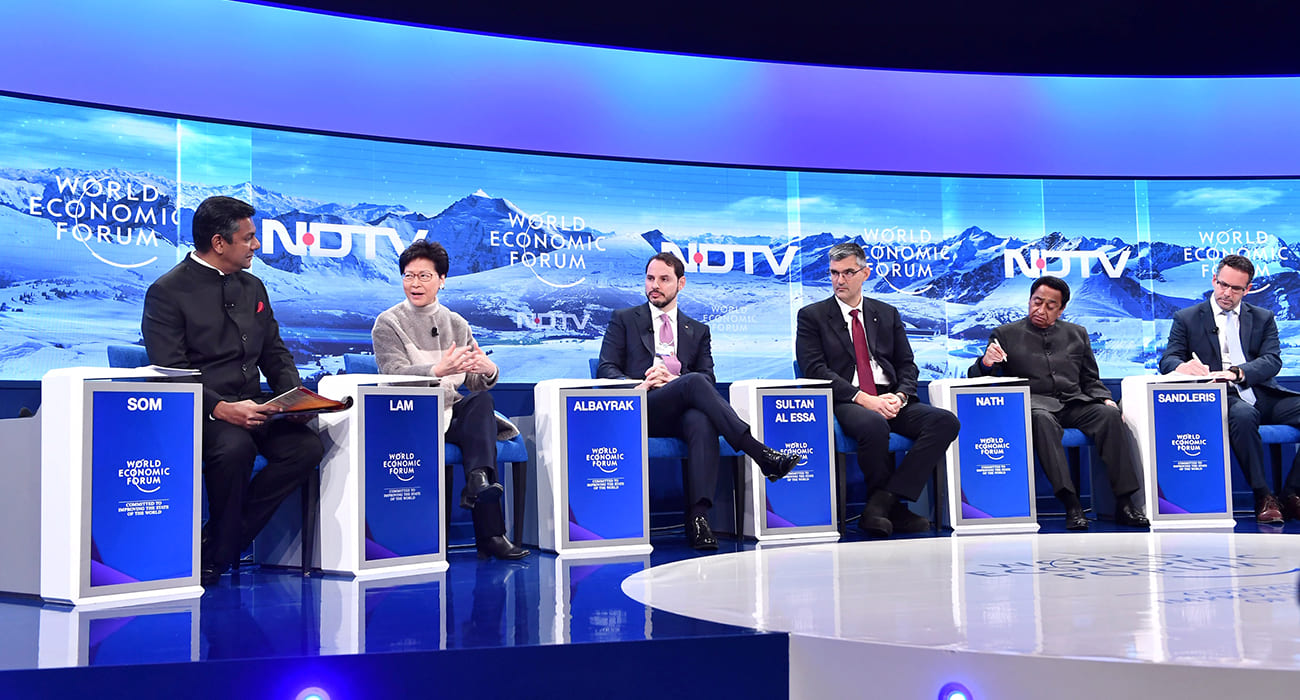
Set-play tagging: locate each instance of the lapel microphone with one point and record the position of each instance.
(433, 332)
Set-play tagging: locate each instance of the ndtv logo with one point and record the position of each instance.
(552, 320)
(308, 238)
(720, 258)
(1036, 264)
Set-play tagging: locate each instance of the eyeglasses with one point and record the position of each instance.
(845, 274)
(1233, 287)
(409, 277)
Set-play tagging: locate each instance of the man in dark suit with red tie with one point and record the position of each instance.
(670, 352)
(859, 345)
(1226, 338)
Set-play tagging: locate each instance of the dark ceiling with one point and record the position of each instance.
(1099, 37)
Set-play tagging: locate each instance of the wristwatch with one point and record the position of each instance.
(1241, 376)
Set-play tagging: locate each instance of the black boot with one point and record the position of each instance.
(501, 548)
(875, 517)
(479, 487)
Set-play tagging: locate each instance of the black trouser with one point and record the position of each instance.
(473, 428)
(931, 430)
(1243, 433)
(238, 508)
(691, 409)
(1104, 426)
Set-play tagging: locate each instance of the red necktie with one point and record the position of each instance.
(866, 378)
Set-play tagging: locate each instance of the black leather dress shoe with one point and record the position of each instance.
(907, 522)
(1290, 506)
(774, 464)
(875, 517)
(210, 574)
(1268, 511)
(1075, 519)
(479, 488)
(501, 548)
(1128, 514)
(699, 535)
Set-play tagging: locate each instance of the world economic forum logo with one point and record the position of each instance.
(606, 459)
(901, 256)
(994, 448)
(146, 475)
(115, 220)
(1189, 444)
(402, 465)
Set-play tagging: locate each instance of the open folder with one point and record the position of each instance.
(301, 401)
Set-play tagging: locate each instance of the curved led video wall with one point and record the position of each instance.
(94, 205)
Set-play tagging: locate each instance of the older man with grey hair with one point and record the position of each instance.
(859, 344)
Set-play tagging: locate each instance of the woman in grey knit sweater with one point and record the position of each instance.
(422, 337)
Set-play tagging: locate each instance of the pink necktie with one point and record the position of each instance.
(866, 378)
(666, 337)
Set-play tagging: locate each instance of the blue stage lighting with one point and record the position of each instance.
(955, 691)
(313, 694)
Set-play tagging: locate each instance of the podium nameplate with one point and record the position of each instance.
(1191, 455)
(402, 504)
(990, 472)
(604, 471)
(141, 447)
(802, 502)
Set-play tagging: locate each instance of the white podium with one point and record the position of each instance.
(989, 478)
(790, 414)
(105, 512)
(1181, 426)
(382, 506)
(593, 496)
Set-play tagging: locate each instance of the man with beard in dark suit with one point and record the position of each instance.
(1065, 391)
(860, 345)
(1226, 338)
(209, 314)
(672, 354)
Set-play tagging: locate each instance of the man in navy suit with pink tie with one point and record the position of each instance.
(670, 352)
(1236, 342)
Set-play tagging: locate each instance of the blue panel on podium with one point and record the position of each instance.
(142, 486)
(403, 484)
(604, 475)
(799, 420)
(402, 477)
(990, 473)
(992, 454)
(1190, 451)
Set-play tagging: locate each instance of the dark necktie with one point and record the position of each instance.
(866, 378)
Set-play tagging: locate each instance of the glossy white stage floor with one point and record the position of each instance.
(1089, 615)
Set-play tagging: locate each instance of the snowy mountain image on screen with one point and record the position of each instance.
(83, 247)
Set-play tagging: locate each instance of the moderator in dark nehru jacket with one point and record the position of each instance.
(208, 313)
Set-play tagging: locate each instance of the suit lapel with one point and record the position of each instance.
(1211, 332)
(871, 322)
(1246, 318)
(686, 339)
(646, 325)
(835, 320)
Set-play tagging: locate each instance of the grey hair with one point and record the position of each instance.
(840, 251)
